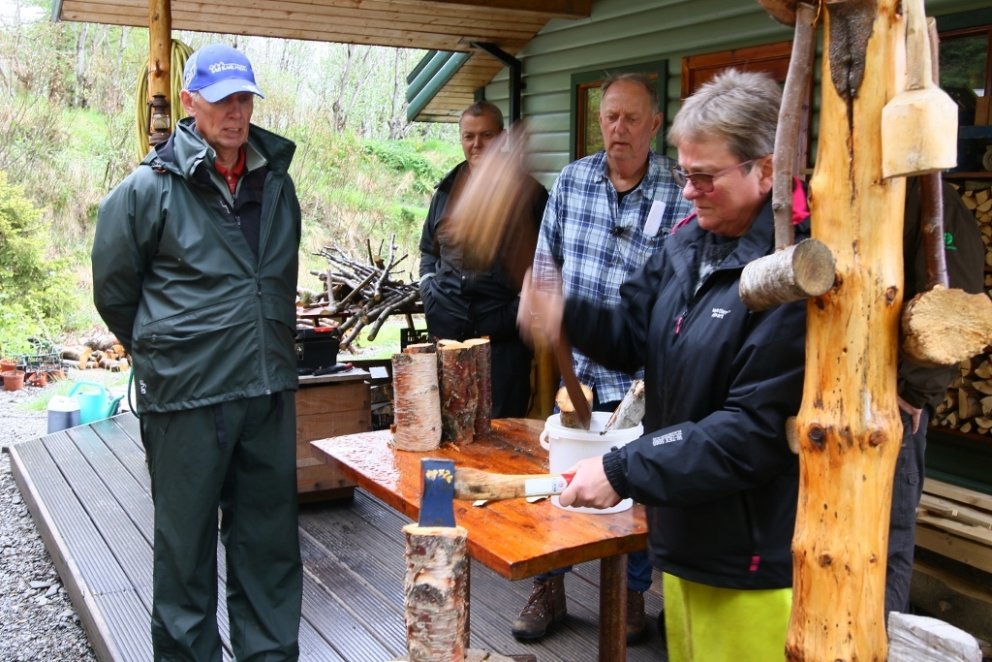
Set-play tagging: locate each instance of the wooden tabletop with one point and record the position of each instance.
(515, 538)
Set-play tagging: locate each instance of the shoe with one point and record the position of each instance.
(637, 622)
(545, 606)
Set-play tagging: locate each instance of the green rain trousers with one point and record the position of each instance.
(238, 457)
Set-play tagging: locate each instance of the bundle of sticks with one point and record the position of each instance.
(361, 294)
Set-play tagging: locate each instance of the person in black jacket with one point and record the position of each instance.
(714, 469)
(462, 303)
(921, 387)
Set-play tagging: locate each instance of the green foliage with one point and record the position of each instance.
(404, 157)
(32, 298)
(67, 129)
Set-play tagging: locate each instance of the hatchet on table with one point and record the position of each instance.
(443, 483)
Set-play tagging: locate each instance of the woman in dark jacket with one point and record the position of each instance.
(715, 471)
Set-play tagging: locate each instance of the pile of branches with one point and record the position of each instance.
(361, 294)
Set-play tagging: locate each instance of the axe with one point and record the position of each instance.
(442, 484)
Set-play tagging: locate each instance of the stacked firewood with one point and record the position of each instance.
(97, 352)
(967, 407)
(358, 294)
(442, 393)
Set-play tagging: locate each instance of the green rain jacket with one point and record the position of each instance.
(205, 319)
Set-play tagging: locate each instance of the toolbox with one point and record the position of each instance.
(316, 348)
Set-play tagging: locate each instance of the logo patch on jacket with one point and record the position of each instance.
(719, 313)
(667, 438)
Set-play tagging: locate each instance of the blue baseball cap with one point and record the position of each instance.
(217, 71)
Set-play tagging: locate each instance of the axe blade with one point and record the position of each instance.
(438, 494)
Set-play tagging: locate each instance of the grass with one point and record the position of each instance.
(387, 341)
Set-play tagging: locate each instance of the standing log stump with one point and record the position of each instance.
(416, 402)
(436, 592)
(482, 351)
(459, 391)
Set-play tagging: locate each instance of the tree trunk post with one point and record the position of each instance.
(159, 70)
(848, 427)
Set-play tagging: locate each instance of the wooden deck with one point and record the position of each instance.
(87, 489)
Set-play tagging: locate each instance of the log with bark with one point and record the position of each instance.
(416, 404)
(482, 351)
(435, 593)
(459, 391)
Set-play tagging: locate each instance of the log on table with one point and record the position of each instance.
(416, 402)
(482, 351)
(459, 391)
(435, 593)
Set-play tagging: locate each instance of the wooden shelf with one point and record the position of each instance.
(980, 174)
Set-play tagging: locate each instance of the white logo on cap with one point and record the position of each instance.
(226, 66)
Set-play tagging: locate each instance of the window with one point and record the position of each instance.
(587, 94)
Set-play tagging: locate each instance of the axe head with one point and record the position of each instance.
(438, 494)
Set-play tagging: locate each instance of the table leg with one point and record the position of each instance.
(613, 608)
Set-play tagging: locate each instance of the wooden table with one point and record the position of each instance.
(515, 538)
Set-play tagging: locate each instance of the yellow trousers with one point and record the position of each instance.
(709, 624)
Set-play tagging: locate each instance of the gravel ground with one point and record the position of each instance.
(37, 620)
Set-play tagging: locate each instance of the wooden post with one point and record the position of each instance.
(848, 427)
(159, 69)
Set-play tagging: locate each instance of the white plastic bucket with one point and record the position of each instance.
(566, 446)
(63, 412)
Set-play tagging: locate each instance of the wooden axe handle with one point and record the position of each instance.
(475, 484)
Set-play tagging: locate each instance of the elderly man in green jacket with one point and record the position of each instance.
(195, 266)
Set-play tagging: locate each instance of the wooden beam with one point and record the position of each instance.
(562, 8)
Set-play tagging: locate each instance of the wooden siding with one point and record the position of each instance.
(620, 32)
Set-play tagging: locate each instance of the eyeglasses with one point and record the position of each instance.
(701, 181)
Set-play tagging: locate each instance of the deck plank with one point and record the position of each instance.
(88, 492)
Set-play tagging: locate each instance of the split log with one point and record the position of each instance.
(435, 593)
(630, 411)
(913, 638)
(416, 402)
(459, 392)
(566, 407)
(801, 271)
(482, 351)
(944, 326)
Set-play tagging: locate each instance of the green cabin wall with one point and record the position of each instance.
(622, 32)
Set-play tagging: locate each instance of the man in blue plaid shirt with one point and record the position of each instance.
(607, 214)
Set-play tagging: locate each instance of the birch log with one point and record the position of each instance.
(800, 271)
(482, 352)
(848, 426)
(416, 403)
(435, 593)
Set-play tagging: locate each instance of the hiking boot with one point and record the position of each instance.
(545, 606)
(637, 622)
